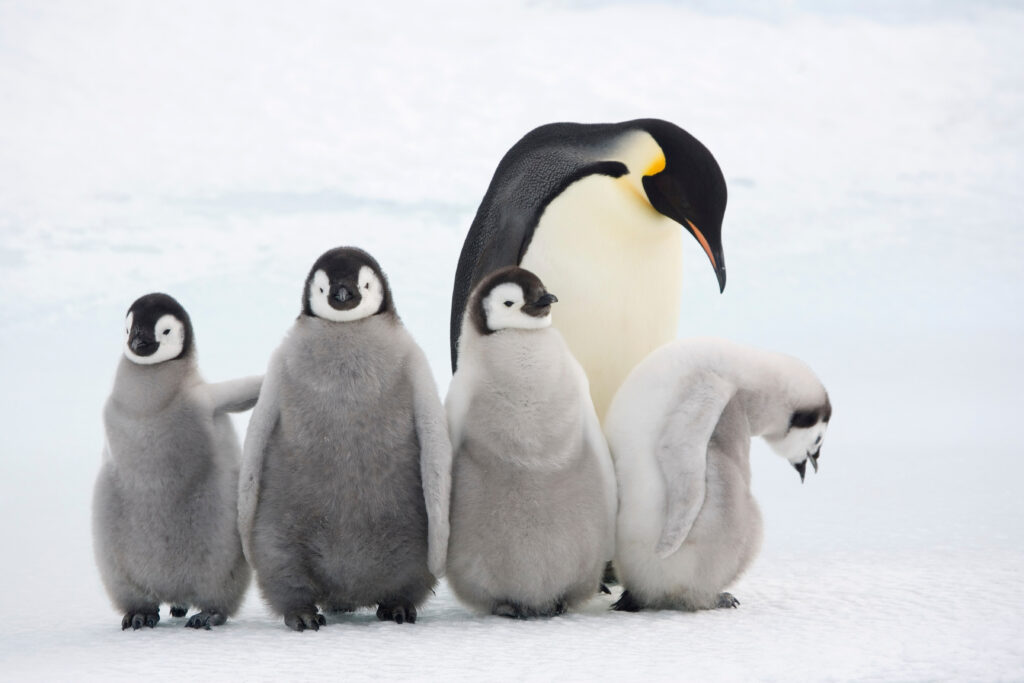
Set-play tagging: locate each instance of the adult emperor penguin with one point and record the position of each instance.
(347, 465)
(679, 429)
(594, 210)
(165, 504)
(533, 489)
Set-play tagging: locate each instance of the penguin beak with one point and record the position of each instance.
(801, 467)
(541, 307)
(341, 294)
(665, 193)
(342, 298)
(546, 300)
(142, 344)
(814, 460)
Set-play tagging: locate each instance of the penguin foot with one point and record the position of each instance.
(627, 603)
(513, 610)
(398, 612)
(300, 621)
(340, 609)
(726, 601)
(178, 611)
(206, 619)
(136, 620)
(609, 578)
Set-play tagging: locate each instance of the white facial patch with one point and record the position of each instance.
(371, 289)
(169, 333)
(503, 308)
(799, 443)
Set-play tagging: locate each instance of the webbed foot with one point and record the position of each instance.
(206, 619)
(514, 610)
(300, 621)
(726, 601)
(398, 612)
(178, 611)
(627, 603)
(136, 620)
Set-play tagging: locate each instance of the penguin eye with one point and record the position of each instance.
(508, 304)
(321, 290)
(167, 331)
(366, 286)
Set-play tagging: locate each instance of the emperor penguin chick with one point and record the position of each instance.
(679, 430)
(165, 511)
(533, 489)
(347, 465)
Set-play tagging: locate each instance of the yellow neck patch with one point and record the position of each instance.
(657, 166)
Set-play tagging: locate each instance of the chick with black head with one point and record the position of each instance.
(346, 473)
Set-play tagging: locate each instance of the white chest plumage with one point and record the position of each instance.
(615, 264)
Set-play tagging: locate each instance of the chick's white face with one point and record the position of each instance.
(503, 308)
(800, 443)
(321, 294)
(163, 342)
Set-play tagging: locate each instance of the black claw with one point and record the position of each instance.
(398, 613)
(627, 603)
(727, 601)
(321, 620)
(178, 611)
(801, 467)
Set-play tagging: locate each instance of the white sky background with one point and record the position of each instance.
(875, 160)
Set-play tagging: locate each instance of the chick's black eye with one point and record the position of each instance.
(321, 290)
(366, 286)
(508, 304)
(167, 331)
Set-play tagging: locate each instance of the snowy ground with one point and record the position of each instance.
(875, 159)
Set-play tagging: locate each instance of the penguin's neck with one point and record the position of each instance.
(345, 354)
(148, 389)
(518, 360)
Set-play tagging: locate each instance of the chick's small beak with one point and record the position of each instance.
(546, 300)
(342, 294)
(801, 467)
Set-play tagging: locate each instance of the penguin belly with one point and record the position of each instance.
(342, 499)
(524, 537)
(615, 265)
(184, 545)
(725, 536)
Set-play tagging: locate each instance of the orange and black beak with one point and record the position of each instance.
(667, 195)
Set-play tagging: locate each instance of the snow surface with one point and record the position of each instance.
(875, 159)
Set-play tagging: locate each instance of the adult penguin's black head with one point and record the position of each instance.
(346, 284)
(157, 329)
(687, 185)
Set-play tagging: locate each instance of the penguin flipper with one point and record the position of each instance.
(435, 460)
(261, 425)
(682, 457)
(234, 396)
